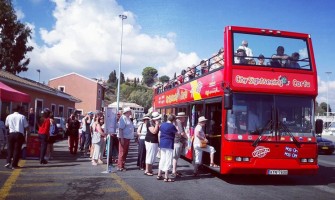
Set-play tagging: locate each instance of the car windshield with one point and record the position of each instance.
(270, 115)
(290, 53)
(57, 120)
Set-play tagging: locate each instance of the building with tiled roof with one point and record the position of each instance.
(90, 91)
(41, 96)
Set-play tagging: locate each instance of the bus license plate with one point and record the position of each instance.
(277, 172)
(324, 147)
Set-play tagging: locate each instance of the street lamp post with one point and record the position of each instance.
(328, 73)
(39, 72)
(123, 17)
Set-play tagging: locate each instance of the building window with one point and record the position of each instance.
(61, 88)
(99, 94)
(53, 109)
(61, 111)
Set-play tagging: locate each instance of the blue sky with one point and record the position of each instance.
(83, 36)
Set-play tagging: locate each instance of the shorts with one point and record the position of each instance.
(177, 150)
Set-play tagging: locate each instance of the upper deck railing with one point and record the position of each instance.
(193, 72)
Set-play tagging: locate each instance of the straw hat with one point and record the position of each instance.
(146, 117)
(181, 114)
(156, 115)
(126, 109)
(202, 119)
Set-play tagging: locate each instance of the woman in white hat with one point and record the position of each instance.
(126, 133)
(141, 133)
(200, 137)
(151, 142)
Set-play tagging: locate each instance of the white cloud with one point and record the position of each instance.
(324, 88)
(19, 14)
(86, 39)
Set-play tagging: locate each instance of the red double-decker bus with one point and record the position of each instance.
(258, 94)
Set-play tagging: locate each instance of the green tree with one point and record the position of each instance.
(13, 40)
(122, 80)
(149, 74)
(135, 82)
(112, 77)
(323, 106)
(142, 97)
(164, 79)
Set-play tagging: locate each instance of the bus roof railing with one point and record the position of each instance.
(193, 72)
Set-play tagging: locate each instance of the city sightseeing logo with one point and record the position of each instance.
(260, 152)
(250, 80)
(284, 80)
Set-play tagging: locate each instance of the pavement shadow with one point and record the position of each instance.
(325, 176)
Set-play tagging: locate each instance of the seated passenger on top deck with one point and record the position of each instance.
(188, 75)
(279, 59)
(247, 50)
(204, 67)
(261, 59)
(251, 62)
(293, 61)
(240, 57)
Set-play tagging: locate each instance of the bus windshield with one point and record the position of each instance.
(281, 115)
(270, 51)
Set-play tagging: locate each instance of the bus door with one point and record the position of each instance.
(213, 112)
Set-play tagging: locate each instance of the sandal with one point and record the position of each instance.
(159, 177)
(148, 173)
(168, 180)
(214, 165)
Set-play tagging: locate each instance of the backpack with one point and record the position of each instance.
(53, 129)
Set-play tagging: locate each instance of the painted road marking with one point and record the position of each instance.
(4, 191)
(133, 194)
(10, 182)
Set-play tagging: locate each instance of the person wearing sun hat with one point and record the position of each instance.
(199, 137)
(126, 133)
(151, 142)
(141, 133)
(178, 142)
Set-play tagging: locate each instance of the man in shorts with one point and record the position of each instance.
(178, 142)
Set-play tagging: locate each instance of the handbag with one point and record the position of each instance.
(203, 144)
(96, 137)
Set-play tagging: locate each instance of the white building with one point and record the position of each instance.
(137, 110)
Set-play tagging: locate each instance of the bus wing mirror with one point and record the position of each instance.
(228, 99)
(318, 126)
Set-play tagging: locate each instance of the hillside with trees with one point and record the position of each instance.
(135, 90)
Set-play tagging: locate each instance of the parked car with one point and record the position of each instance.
(60, 121)
(325, 146)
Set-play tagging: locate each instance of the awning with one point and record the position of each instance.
(9, 94)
